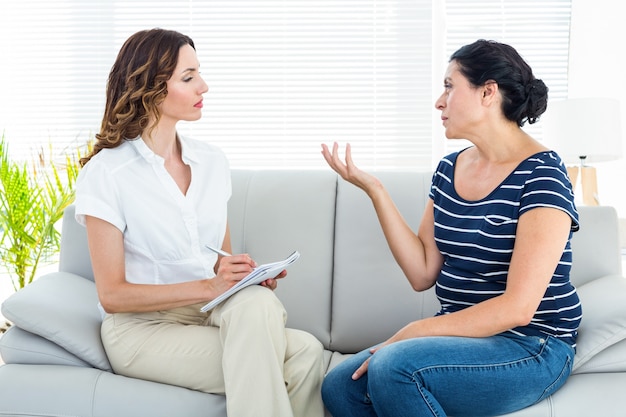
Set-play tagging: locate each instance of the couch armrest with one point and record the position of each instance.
(604, 317)
(63, 308)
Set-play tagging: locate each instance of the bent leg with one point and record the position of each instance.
(171, 347)
(436, 376)
(252, 332)
(240, 348)
(304, 372)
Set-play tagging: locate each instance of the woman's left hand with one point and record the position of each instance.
(272, 283)
(407, 332)
(361, 370)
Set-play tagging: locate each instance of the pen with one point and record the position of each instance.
(218, 251)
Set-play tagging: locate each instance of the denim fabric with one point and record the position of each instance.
(449, 376)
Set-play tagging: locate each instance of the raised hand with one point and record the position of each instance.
(348, 170)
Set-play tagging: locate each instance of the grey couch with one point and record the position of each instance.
(345, 289)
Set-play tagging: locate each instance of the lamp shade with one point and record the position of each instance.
(584, 127)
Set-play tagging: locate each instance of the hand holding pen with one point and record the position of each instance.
(269, 283)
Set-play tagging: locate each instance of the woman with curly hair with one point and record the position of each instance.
(151, 200)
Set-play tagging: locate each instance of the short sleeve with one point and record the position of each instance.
(548, 185)
(442, 177)
(96, 195)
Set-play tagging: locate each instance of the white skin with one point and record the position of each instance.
(185, 90)
(473, 113)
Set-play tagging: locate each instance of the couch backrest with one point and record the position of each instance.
(74, 255)
(371, 297)
(273, 213)
(346, 288)
(596, 246)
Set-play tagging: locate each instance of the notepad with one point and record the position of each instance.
(257, 276)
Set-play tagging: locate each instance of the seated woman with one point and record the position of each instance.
(494, 241)
(151, 201)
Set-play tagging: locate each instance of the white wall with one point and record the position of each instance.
(596, 69)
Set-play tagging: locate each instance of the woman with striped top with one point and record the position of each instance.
(495, 243)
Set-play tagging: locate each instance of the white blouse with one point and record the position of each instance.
(165, 231)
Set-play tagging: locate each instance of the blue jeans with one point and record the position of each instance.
(456, 376)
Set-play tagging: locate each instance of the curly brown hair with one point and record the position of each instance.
(137, 85)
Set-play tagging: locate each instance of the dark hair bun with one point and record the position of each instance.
(536, 100)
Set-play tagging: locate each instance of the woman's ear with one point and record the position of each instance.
(490, 90)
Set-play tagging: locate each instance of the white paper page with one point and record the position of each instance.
(257, 276)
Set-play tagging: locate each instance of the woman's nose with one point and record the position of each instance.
(440, 103)
(204, 87)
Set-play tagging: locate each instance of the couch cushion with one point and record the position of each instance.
(55, 391)
(604, 317)
(19, 346)
(372, 299)
(271, 214)
(611, 359)
(588, 395)
(62, 308)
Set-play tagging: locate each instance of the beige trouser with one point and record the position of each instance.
(240, 348)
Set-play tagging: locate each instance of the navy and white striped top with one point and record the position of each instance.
(476, 239)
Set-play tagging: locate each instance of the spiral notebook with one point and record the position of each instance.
(257, 276)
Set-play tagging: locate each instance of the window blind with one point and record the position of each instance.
(284, 76)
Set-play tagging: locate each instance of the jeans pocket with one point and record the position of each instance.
(555, 350)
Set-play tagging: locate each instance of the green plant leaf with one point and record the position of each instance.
(32, 201)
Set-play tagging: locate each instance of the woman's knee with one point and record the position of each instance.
(335, 385)
(311, 344)
(329, 386)
(385, 361)
(340, 377)
(255, 301)
(304, 347)
(340, 393)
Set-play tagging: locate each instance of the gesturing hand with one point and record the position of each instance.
(348, 170)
